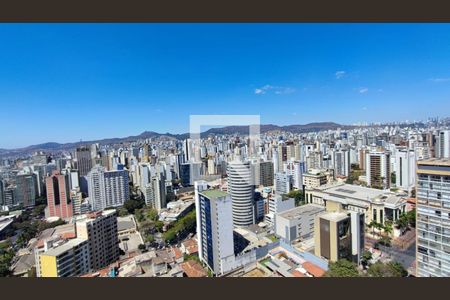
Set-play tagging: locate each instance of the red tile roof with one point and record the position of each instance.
(313, 269)
(177, 252)
(297, 274)
(193, 269)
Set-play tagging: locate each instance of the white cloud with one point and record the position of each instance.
(339, 74)
(279, 90)
(363, 90)
(364, 108)
(440, 79)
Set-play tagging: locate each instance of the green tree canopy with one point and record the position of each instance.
(391, 269)
(342, 268)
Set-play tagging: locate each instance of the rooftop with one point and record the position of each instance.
(125, 223)
(334, 216)
(60, 249)
(313, 269)
(193, 269)
(214, 193)
(348, 193)
(301, 210)
(435, 162)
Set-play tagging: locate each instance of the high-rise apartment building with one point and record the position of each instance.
(2, 192)
(84, 160)
(378, 169)
(295, 169)
(26, 189)
(282, 156)
(283, 183)
(443, 144)
(107, 188)
(64, 258)
(341, 162)
(241, 189)
(145, 153)
(263, 173)
(155, 192)
(100, 230)
(59, 203)
(433, 218)
(405, 169)
(214, 228)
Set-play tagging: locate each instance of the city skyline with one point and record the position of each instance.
(206, 129)
(141, 77)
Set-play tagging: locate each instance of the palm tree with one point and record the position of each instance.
(388, 227)
(377, 226)
(402, 222)
(372, 226)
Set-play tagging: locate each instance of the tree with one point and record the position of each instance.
(398, 269)
(159, 226)
(372, 226)
(402, 222)
(141, 247)
(298, 196)
(6, 257)
(152, 214)
(366, 258)
(132, 205)
(122, 212)
(342, 268)
(181, 227)
(150, 239)
(387, 228)
(393, 177)
(411, 216)
(391, 269)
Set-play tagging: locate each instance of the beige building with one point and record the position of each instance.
(376, 204)
(315, 178)
(100, 229)
(433, 218)
(339, 234)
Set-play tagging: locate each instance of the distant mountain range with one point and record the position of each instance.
(51, 146)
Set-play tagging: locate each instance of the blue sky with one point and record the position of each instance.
(66, 82)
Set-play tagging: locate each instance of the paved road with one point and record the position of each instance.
(406, 256)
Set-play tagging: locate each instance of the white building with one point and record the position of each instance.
(443, 144)
(405, 169)
(107, 188)
(341, 162)
(276, 205)
(214, 228)
(241, 189)
(295, 169)
(283, 183)
(298, 222)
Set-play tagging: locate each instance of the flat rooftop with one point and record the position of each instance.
(214, 193)
(125, 223)
(58, 250)
(350, 191)
(435, 162)
(334, 216)
(296, 212)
